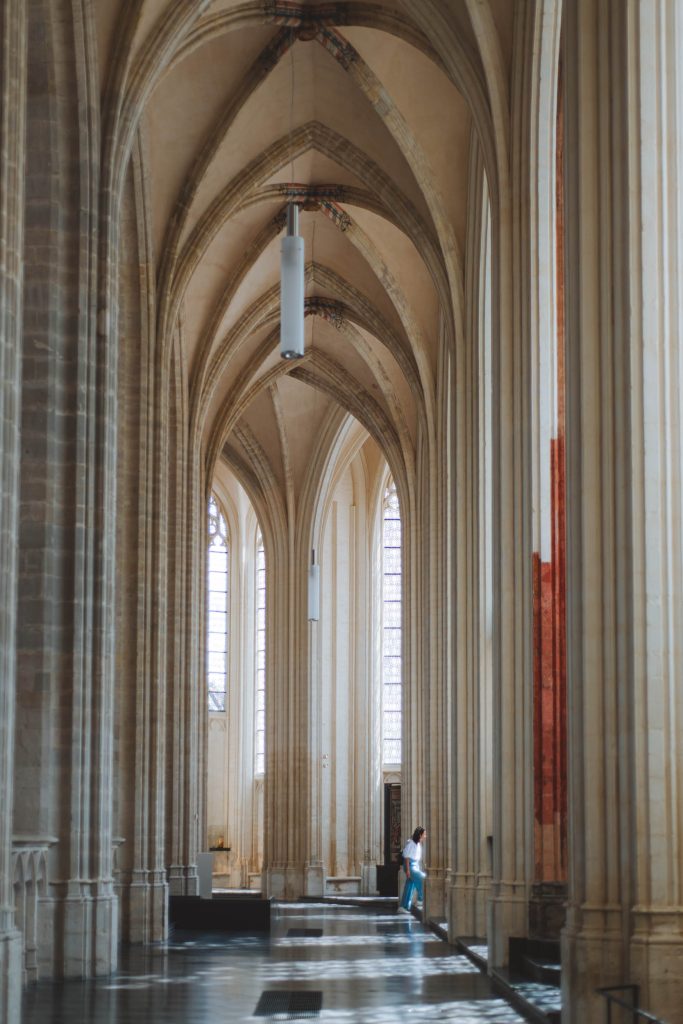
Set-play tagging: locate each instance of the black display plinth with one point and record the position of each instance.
(222, 913)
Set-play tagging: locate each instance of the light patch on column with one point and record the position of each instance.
(217, 608)
(391, 628)
(260, 713)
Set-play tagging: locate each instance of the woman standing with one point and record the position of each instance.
(412, 855)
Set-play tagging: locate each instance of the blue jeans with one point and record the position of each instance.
(413, 882)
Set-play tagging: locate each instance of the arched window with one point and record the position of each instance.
(391, 627)
(260, 715)
(217, 610)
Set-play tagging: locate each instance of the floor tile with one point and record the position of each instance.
(371, 967)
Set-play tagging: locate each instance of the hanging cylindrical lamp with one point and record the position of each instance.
(292, 288)
(313, 590)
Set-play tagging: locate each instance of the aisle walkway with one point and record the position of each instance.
(364, 968)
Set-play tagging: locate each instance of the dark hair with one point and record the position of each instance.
(417, 833)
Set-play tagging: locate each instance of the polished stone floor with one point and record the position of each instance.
(368, 966)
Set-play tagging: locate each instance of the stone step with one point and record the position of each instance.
(538, 1000)
(536, 959)
(540, 1003)
(475, 948)
(439, 926)
(548, 972)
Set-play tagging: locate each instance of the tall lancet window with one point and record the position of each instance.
(260, 716)
(391, 627)
(217, 608)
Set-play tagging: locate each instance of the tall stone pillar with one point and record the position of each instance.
(65, 623)
(291, 854)
(544, 286)
(434, 740)
(624, 178)
(469, 453)
(413, 783)
(482, 582)
(511, 606)
(656, 352)
(143, 539)
(12, 143)
(186, 725)
(369, 812)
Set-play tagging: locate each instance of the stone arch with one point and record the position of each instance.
(310, 135)
(364, 246)
(264, 316)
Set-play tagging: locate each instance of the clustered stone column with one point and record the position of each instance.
(323, 780)
(287, 854)
(624, 178)
(511, 607)
(346, 777)
(545, 290)
(321, 775)
(470, 429)
(432, 750)
(185, 751)
(12, 142)
(65, 675)
(143, 542)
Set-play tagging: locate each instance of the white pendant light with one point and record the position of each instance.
(292, 288)
(313, 590)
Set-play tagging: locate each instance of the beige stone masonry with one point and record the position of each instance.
(624, 487)
(13, 45)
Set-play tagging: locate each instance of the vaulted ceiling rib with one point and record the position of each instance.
(373, 143)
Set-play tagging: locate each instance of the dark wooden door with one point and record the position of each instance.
(387, 874)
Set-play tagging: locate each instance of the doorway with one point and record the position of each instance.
(387, 873)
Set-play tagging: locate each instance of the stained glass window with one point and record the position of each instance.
(391, 627)
(260, 710)
(217, 608)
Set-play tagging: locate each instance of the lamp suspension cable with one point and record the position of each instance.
(291, 105)
(292, 262)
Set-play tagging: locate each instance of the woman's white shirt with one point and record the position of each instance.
(412, 851)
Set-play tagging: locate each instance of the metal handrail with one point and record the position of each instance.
(637, 1014)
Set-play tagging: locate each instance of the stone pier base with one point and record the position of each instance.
(10, 977)
(656, 960)
(144, 911)
(81, 936)
(591, 957)
(508, 916)
(461, 909)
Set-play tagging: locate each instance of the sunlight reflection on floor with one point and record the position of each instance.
(372, 968)
(356, 940)
(548, 997)
(336, 915)
(385, 967)
(493, 1011)
(482, 951)
(310, 970)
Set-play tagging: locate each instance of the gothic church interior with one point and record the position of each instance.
(479, 449)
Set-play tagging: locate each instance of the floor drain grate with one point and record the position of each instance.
(304, 933)
(274, 1002)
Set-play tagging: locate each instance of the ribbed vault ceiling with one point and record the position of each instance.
(347, 109)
